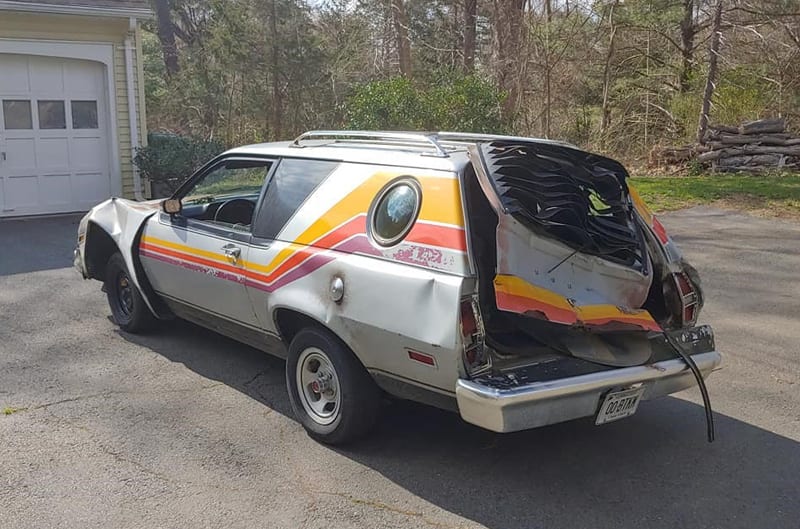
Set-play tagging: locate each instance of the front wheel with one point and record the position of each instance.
(128, 307)
(332, 395)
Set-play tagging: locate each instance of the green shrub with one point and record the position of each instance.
(392, 104)
(453, 102)
(168, 159)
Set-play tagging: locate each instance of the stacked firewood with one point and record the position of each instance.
(753, 147)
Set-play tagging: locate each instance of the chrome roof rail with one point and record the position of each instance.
(411, 137)
(470, 137)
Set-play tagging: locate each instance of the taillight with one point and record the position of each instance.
(672, 251)
(469, 324)
(688, 298)
(660, 231)
(476, 356)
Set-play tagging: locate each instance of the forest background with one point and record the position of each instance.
(623, 78)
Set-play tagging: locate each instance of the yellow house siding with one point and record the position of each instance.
(123, 127)
(72, 28)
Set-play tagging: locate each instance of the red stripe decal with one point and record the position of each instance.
(525, 305)
(638, 322)
(449, 237)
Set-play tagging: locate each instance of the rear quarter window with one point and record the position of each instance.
(395, 211)
(293, 182)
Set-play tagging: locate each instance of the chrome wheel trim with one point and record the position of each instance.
(318, 386)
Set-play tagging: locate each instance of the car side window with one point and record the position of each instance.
(227, 194)
(293, 182)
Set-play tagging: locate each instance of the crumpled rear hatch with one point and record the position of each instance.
(573, 254)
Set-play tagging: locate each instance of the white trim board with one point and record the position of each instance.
(41, 7)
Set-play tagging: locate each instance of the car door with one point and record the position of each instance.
(197, 257)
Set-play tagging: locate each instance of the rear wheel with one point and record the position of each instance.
(332, 395)
(128, 307)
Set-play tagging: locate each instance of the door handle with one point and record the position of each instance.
(232, 252)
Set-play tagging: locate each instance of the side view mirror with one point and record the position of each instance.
(172, 206)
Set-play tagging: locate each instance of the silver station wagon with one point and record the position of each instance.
(518, 282)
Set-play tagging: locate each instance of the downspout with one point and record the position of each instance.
(133, 122)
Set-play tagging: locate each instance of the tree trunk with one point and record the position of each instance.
(401, 34)
(548, 72)
(470, 31)
(277, 96)
(507, 42)
(688, 31)
(605, 119)
(713, 65)
(166, 35)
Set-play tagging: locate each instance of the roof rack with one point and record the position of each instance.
(474, 137)
(411, 137)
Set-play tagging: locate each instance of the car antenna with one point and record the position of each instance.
(564, 260)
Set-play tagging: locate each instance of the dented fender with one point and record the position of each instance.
(123, 221)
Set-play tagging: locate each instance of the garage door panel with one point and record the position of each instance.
(47, 76)
(55, 190)
(87, 154)
(91, 187)
(53, 154)
(20, 155)
(82, 78)
(21, 191)
(15, 75)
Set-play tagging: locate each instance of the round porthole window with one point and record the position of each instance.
(394, 211)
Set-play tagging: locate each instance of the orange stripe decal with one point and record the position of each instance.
(530, 306)
(191, 258)
(514, 294)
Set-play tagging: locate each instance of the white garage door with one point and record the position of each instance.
(53, 135)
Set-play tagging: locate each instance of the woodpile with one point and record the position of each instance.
(753, 147)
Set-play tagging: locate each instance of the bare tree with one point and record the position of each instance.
(470, 32)
(507, 28)
(713, 66)
(688, 31)
(166, 35)
(605, 119)
(277, 94)
(400, 20)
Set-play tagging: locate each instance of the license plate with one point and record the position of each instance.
(619, 404)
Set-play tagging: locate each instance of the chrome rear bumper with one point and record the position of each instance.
(542, 403)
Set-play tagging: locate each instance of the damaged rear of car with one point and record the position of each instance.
(586, 306)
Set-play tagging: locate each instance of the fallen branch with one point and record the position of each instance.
(763, 126)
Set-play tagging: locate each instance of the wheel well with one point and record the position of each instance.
(99, 249)
(290, 322)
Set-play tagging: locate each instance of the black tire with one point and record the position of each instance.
(128, 308)
(359, 397)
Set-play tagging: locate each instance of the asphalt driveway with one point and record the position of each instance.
(182, 428)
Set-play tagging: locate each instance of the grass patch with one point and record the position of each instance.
(773, 196)
(8, 410)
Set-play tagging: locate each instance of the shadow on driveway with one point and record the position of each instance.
(652, 470)
(37, 243)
